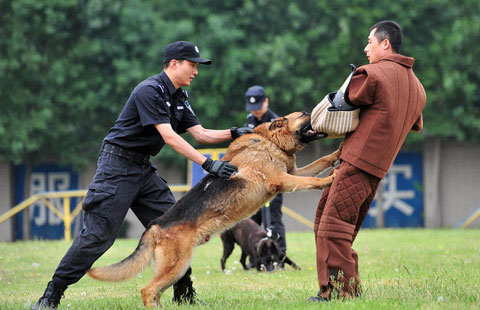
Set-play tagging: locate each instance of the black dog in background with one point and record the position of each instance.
(264, 252)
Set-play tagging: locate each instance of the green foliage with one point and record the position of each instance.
(68, 66)
(399, 269)
(448, 69)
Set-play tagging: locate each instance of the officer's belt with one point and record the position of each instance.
(131, 156)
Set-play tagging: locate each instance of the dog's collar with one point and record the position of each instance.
(260, 243)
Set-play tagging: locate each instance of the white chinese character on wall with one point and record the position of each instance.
(44, 182)
(392, 196)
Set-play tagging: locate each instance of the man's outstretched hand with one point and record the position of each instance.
(219, 168)
(239, 131)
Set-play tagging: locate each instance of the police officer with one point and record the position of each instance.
(270, 214)
(155, 114)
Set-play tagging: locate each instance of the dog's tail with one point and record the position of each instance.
(133, 264)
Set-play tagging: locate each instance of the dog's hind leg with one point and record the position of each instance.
(172, 260)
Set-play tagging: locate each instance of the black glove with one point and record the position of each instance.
(219, 168)
(237, 132)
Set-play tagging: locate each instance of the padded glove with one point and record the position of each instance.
(237, 132)
(219, 168)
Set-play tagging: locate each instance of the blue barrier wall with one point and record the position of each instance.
(403, 193)
(45, 224)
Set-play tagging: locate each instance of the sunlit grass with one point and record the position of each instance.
(400, 269)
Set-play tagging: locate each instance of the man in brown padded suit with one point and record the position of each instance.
(391, 99)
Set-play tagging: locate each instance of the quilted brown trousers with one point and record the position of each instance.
(341, 211)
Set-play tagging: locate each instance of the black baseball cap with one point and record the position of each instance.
(255, 96)
(183, 50)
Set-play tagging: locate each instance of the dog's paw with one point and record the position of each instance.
(335, 156)
(334, 173)
(332, 176)
(337, 153)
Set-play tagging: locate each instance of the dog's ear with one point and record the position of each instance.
(278, 123)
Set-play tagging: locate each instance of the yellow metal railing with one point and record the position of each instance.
(68, 215)
(469, 219)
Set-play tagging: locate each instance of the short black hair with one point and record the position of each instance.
(166, 65)
(388, 29)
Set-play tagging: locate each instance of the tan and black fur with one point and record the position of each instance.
(266, 166)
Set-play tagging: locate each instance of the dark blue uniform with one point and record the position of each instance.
(275, 207)
(125, 178)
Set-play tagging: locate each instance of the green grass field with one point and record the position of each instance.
(400, 269)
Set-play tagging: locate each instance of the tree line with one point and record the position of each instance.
(68, 66)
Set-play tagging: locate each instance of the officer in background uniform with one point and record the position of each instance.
(156, 112)
(270, 214)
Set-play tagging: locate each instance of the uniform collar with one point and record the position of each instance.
(166, 80)
(267, 116)
(400, 59)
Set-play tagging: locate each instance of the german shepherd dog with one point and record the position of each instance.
(264, 252)
(266, 166)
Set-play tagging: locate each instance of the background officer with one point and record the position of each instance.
(155, 114)
(270, 214)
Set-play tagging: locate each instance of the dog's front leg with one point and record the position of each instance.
(291, 183)
(319, 165)
(243, 261)
(228, 245)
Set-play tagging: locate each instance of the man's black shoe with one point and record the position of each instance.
(51, 297)
(318, 298)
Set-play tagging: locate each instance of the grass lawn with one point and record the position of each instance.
(399, 269)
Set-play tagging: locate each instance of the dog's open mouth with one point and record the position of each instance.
(307, 133)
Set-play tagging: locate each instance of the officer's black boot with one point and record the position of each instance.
(52, 295)
(183, 291)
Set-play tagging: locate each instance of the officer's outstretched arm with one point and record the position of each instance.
(215, 167)
(202, 135)
(209, 136)
(178, 144)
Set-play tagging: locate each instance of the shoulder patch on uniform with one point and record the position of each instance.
(189, 107)
(161, 87)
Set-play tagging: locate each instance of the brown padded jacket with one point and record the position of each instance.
(391, 99)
